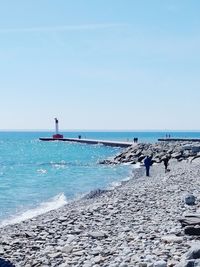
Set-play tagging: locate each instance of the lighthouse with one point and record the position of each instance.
(57, 135)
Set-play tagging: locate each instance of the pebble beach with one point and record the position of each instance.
(135, 224)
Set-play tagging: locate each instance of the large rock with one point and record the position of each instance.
(194, 252)
(191, 258)
(176, 155)
(190, 220)
(190, 263)
(195, 149)
(192, 230)
(190, 199)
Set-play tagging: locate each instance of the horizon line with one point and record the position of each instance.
(101, 130)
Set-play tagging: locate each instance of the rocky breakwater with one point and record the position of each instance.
(175, 150)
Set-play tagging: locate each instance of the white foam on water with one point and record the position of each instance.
(54, 203)
(126, 179)
(114, 185)
(42, 171)
(137, 165)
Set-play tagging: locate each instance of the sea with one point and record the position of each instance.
(37, 176)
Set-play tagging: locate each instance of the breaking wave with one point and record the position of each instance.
(54, 203)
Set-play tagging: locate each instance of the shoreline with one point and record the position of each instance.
(94, 193)
(123, 227)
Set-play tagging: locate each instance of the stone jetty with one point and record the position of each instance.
(158, 151)
(137, 224)
(90, 141)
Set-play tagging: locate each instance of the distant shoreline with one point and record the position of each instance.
(103, 130)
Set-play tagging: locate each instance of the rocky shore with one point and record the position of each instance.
(175, 150)
(136, 224)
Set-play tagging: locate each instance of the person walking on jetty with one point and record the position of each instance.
(147, 164)
(166, 162)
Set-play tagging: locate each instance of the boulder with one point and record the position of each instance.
(194, 252)
(190, 263)
(141, 158)
(192, 230)
(191, 258)
(176, 155)
(190, 220)
(190, 199)
(195, 149)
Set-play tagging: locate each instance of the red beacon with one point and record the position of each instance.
(57, 135)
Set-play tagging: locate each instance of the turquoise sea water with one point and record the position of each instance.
(38, 176)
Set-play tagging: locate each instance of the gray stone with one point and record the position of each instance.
(160, 263)
(1, 250)
(67, 249)
(172, 239)
(189, 263)
(97, 235)
(70, 238)
(190, 199)
(142, 264)
(195, 149)
(98, 259)
(194, 252)
(192, 230)
(78, 253)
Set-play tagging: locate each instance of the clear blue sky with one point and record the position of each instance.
(100, 64)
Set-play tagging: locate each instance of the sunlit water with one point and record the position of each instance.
(38, 176)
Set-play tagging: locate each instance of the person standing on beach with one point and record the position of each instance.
(147, 164)
(166, 163)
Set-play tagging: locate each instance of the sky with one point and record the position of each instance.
(100, 64)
